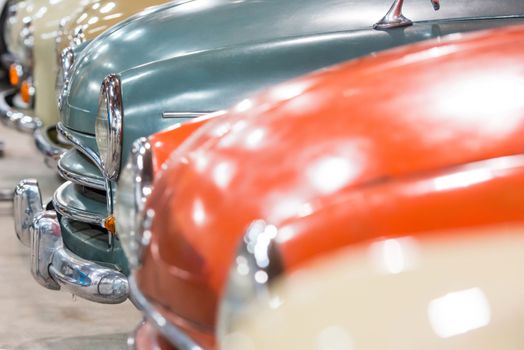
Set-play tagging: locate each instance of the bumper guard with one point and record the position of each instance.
(52, 265)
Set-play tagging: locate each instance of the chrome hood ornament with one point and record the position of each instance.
(394, 17)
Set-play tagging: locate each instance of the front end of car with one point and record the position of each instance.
(33, 70)
(19, 36)
(76, 242)
(80, 217)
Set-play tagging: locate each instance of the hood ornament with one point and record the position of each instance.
(395, 19)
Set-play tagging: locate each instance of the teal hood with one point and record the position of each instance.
(188, 27)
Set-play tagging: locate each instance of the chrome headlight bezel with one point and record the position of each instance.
(109, 126)
(65, 68)
(11, 19)
(27, 41)
(134, 187)
(256, 265)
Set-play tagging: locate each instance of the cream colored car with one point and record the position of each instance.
(453, 290)
(31, 32)
(42, 36)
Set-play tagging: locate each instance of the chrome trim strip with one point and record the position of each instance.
(89, 153)
(142, 167)
(168, 115)
(138, 176)
(70, 212)
(54, 267)
(174, 334)
(79, 178)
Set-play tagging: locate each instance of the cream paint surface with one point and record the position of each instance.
(32, 317)
(400, 294)
(45, 65)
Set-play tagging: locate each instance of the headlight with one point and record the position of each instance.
(67, 59)
(256, 264)
(108, 127)
(134, 187)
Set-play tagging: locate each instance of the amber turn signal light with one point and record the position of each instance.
(27, 92)
(15, 74)
(109, 224)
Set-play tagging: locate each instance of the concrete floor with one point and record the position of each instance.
(32, 317)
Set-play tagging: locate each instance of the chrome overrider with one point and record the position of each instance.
(52, 265)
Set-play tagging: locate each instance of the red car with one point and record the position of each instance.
(408, 142)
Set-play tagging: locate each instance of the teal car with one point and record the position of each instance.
(180, 61)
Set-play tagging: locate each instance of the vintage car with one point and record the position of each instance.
(4, 9)
(80, 22)
(458, 289)
(153, 71)
(408, 142)
(31, 30)
(13, 12)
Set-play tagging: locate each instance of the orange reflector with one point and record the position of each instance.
(26, 91)
(109, 224)
(14, 74)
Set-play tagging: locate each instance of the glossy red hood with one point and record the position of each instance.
(163, 143)
(409, 114)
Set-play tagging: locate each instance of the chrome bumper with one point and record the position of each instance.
(52, 265)
(30, 125)
(15, 119)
